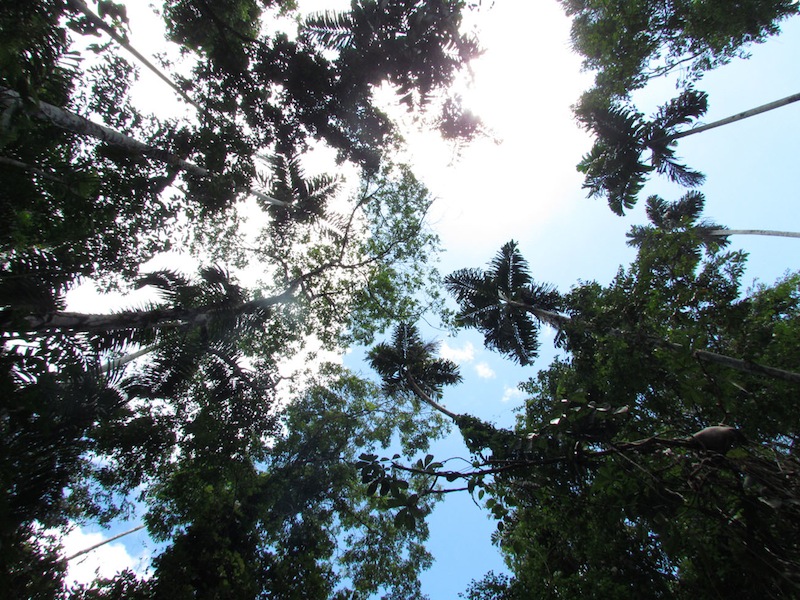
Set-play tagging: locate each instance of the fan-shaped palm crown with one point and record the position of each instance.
(409, 357)
(504, 303)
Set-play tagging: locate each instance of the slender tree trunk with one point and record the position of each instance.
(744, 365)
(104, 542)
(726, 232)
(739, 116)
(81, 126)
(124, 360)
(81, 6)
(141, 320)
(559, 321)
(76, 124)
(420, 393)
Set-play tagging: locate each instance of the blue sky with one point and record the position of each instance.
(526, 188)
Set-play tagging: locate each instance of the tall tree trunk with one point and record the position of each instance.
(81, 6)
(104, 542)
(558, 321)
(77, 124)
(420, 393)
(726, 232)
(124, 360)
(81, 126)
(151, 319)
(739, 116)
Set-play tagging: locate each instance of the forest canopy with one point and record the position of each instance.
(655, 456)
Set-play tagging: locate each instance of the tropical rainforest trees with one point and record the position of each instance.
(614, 167)
(684, 214)
(259, 93)
(637, 451)
(611, 485)
(197, 431)
(203, 413)
(627, 44)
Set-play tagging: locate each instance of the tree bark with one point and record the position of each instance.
(81, 6)
(76, 124)
(739, 116)
(124, 360)
(558, 321)
(725, 232)
(151, 319)
(104, 542)
(420, 393)
(81, 126)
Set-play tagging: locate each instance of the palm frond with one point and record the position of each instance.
(509, 269)
(659, 132)
(34, 280)
(330, 29)
(409, 355)
(305, 198)
(219, 287)
(615, 172)
(680, 216)
(667, 164)
(687, 209)
(657, 210)
(173, 287)
(687, 107)
(490, 302)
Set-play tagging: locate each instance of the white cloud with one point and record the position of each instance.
(512, 393)
(458, 355)
(485, 371)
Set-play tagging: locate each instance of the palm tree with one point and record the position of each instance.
(684, 215)
(492, 301)
(614, 166)
(507, 307)
(408, 363)
(213, 300)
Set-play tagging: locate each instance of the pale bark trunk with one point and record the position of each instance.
(76, 124)
(725, 232)
(124, 360)
(153, 319)
(420, 393)
(81, 6)
(104, 542)
(739, 116)
(558, 321)
(81, 126)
